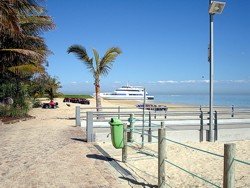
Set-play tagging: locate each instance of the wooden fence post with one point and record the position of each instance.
(149, 129)
(162, 124)
(131, 128)
(125, 147)
(78, 116)
(232, 114)
(89, 127)
(165, 112)
(201, 127)
(161, 157)
(119, 111)
(229, 175)
(215, 126)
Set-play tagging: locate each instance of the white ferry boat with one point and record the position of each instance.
(127, 93)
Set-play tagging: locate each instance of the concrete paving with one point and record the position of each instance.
(45, 153)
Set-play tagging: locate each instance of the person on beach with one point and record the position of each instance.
(52, 104)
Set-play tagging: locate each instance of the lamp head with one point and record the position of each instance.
(216, 7)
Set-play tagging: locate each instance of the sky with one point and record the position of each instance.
(164, 44)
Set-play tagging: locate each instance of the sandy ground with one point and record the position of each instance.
(210, 167)
(50, 151)
(144, 167)
(144, 164)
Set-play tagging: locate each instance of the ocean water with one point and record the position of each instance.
(194, 99)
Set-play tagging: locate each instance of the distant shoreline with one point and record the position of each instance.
(239, 100)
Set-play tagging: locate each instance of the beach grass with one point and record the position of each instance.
(76, 96)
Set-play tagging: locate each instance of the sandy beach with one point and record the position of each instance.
(50, 151)
(143, 166)
(121, 94)
(204, 165)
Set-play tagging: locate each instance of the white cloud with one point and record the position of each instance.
(233, 81)
(199, 81)
(194, 81)
(237, 81)
(182, 81)
(189, 81)
(205, 81)
(242, 81)
(79, 83)
(167, 82)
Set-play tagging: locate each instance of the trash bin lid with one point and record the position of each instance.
(115, 121)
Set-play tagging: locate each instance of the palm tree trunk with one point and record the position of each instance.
(98, 97)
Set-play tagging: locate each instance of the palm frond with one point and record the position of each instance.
(110, 55)
(80, 52)
(113, 50)
(34, 38)
(82, 55)
(108, 59)
(96, 54)
(23, 52)
(9, 17)
(97, 58)
(10, 11)
(36, 24)
(105, 70)
(25, 70)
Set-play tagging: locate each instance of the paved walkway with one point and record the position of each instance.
(50, 152)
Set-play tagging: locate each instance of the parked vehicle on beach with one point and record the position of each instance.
(154, 107)
(66, 100)
(50, 105)
(83, 101)
(77, 100)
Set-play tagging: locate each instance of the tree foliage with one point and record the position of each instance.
(43, 85)
(97, 66)
(23, 52)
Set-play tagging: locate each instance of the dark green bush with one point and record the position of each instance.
(18, 93)
(36, 104)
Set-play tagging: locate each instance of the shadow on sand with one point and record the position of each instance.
(99, 157)
(79, 139)
(138, 183)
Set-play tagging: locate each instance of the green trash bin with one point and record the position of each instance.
(116, 133)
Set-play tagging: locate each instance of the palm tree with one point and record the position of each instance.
(42, 84)
(26, 45)
(9, 14)
(51, 87)
(23, 51)
(99, 67)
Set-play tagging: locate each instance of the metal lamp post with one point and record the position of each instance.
(143, 117)
(215, 7)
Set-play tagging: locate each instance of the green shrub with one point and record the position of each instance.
(36, 103)
(18, 111)
(3, 111)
